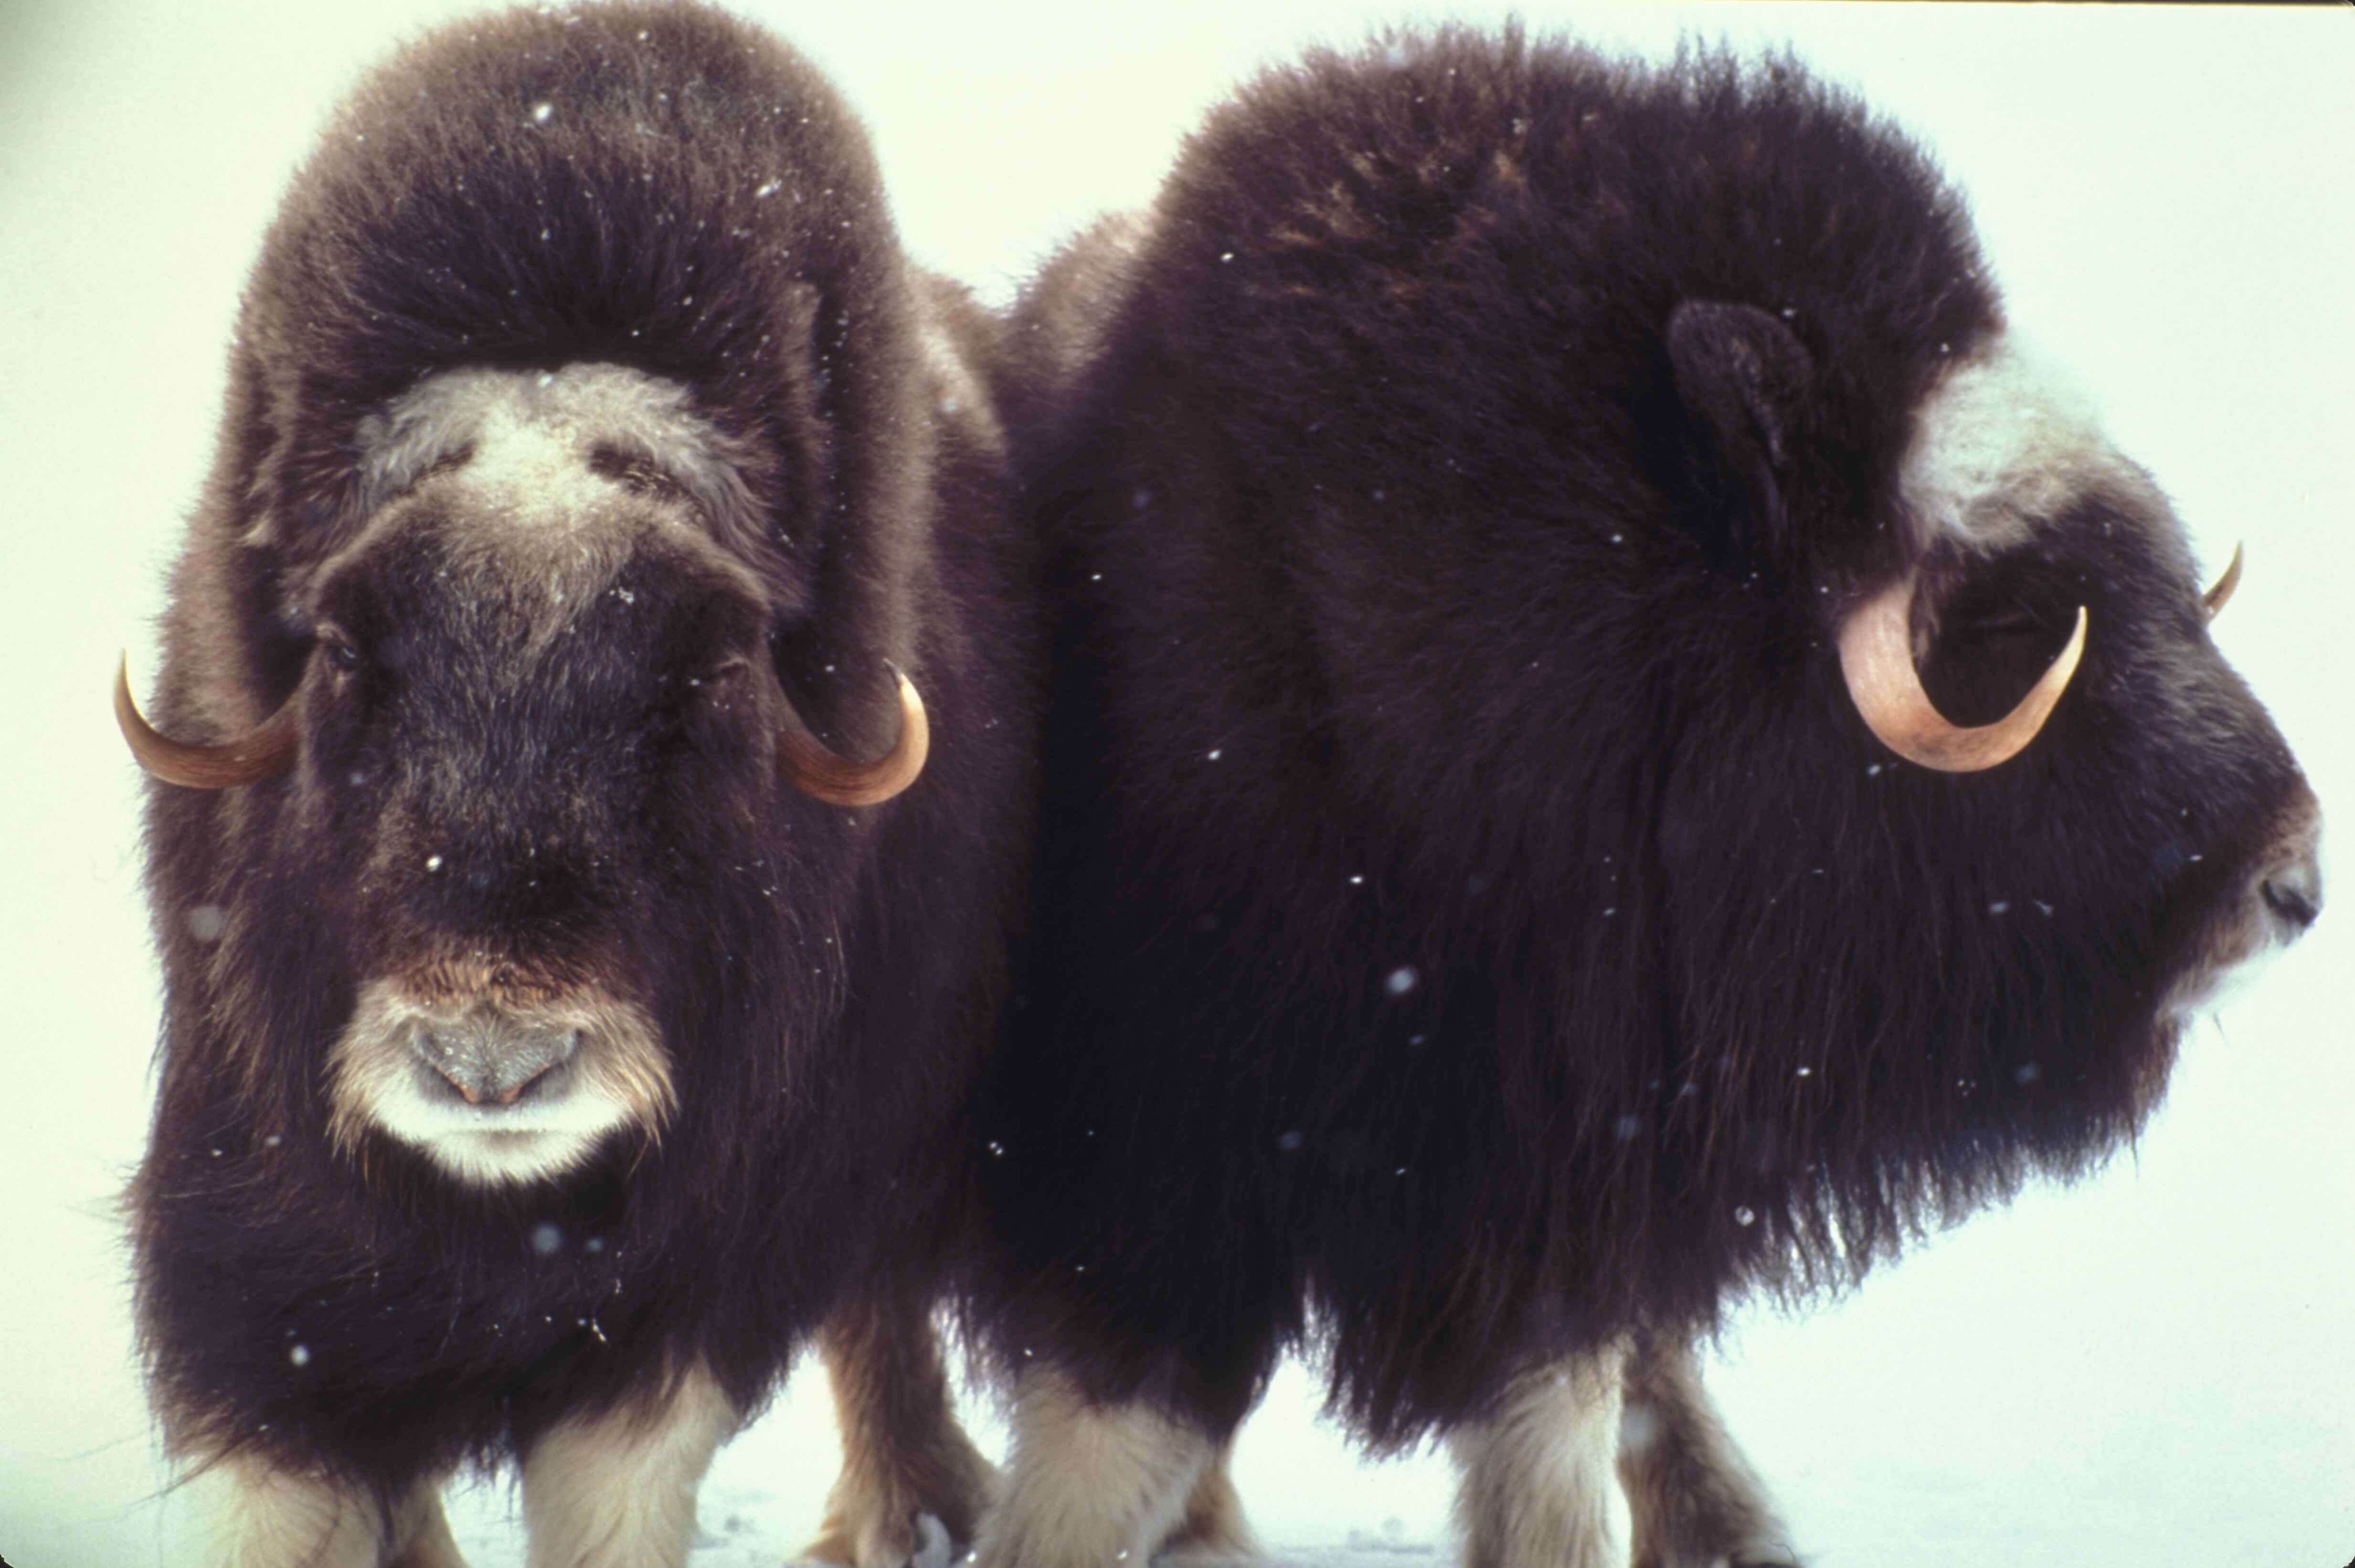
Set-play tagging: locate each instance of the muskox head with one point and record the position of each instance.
(1746, 660)
(527, 780)
(1999, 817)
(1966, 814)
(2002, 464)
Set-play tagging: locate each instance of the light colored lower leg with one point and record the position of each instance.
(1089, 1486)
(619, 1491)
(1213, 1529)
(423, 1532)
(250, 1514)
(1693, 1498)
(1536, 1475)
(904, 1454)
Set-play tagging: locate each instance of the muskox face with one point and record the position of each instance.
(2036, 820)
(534, 760)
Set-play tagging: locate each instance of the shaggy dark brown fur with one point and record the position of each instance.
(661, 189)
(1474, 922)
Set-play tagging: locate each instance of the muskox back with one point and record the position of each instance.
(1500, 899)
(575, 950)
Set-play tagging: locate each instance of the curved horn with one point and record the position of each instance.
(266, 750)
(2216, 598)
(804, 762)
(1876, 652)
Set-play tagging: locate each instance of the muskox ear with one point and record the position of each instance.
(1746, 382)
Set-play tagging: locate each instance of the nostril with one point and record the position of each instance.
(545, 1078)
(449, 1062)
(2291, 902)
(2293, 891)
(455, 1080)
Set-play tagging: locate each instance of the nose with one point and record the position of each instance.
(2293, 892)
(489, 1060)
(2291, 881)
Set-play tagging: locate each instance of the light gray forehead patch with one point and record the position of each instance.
(526, 439)
(2001, 444)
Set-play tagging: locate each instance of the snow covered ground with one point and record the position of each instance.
(2153, 1368)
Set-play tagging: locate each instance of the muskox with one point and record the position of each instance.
(592, 777)
(1615, 742)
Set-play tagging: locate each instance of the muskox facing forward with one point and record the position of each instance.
(598, 764)
(1615, 742)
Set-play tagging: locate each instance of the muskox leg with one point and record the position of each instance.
(1694, 1500)
(903, 1453)
(253, 1515)
(425, 1530)
(618, 1491)
(1536, 1473)
(1088, 1484)
(1212, 1528)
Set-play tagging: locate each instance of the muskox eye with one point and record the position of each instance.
(338, 650)
(2007, 623)
(734, 667)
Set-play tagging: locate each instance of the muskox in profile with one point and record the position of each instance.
(1615, 742)
(594, 769)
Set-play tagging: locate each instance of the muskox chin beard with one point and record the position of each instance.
(2226, 954)
(494, 1091)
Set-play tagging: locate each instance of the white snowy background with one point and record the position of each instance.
(2154, 1368)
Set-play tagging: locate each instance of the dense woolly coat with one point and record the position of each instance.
(660, 188)
(1473, 917)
